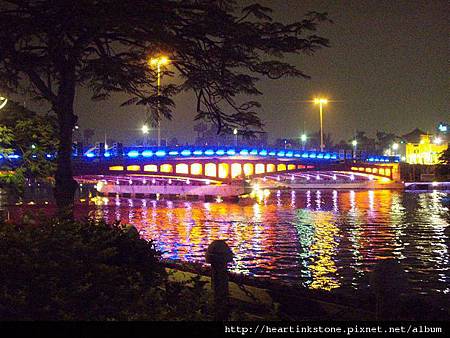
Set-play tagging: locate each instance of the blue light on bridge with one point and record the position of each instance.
(14, 156)
(209, 152)
(173, 153)
(281, 154)
(254, 152)
(312, 155)
(147, 153)
(90, 155)
(272, 153)
(320, 155)
(160, 153)
(133, 153)
(220, 152)
(231, 152)
(198, 152)
(263, 152)
(244, 152)
(289, 154)
(297, 155)
(327, 156)
(305, 155)
(107, 154)
(186, 152)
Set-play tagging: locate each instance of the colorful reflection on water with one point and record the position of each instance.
(322, 239)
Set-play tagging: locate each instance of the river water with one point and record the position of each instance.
(321, 239)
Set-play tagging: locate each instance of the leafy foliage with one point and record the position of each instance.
(219, 51)
(88, 271)
(443, 168)
(31, 135)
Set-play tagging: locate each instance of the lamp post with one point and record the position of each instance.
(321, 102)
(395, 148)
(235, 133)
(303, 139)
(145, 130)
(158, 62)
(354, 143)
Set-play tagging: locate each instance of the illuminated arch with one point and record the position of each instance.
(248, 169)
(210, 169)
(196, 169)
(291, 167)
(236, 170)
(116, 168)
(270, 168)
(133, 168)
(259, 168)
(182, 168)
(281, 167)
(151, 168)
(224, 169)
(166, 168)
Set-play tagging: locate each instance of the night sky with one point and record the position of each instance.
(386, 68)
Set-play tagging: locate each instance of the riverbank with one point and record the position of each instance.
(259, 299)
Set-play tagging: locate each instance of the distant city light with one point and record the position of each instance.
(443, 128)
(145, 129)
(437, 140)
(395, 146)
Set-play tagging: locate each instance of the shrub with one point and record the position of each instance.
(74, 270)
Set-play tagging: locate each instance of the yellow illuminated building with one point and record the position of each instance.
(427, 151)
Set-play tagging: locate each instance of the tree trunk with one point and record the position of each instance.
(65, 185)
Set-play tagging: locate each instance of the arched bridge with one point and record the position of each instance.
(227, 165)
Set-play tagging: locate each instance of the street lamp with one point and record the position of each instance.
(354, 143)
(321, 102)
(235, 133)
(303, 138)
(145, 130)
(3, 101)
(158, 62)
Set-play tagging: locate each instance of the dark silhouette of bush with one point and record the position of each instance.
(79, 271)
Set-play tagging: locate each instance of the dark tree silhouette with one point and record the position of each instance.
(49, 48)
(88, 134)
(314, 140)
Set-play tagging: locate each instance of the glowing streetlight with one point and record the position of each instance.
(3, 101)
(145, 129)
(321, 102)
(235, 133)
(354, 144)
(395, 146)
(158, 62)
(303, 138)
(437, 140)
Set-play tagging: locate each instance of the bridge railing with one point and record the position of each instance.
(185, 151)
(163, 152)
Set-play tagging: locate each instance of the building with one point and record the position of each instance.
(426, 150)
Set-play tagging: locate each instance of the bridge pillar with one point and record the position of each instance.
(396, 177)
